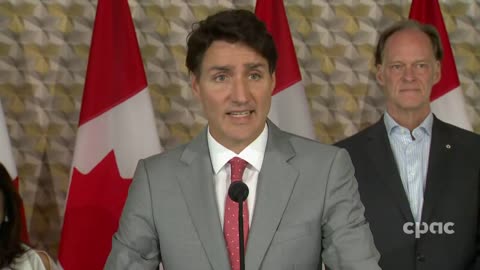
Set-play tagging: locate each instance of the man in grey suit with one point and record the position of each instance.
(304, 207)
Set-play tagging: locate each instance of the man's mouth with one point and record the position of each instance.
(240, 113)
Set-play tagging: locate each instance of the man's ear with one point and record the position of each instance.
(438, 72)
(195, 85)
(379, 75)
(274, 81)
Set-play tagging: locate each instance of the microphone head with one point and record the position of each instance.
(238, 191)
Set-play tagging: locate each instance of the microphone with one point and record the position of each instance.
(238, 192)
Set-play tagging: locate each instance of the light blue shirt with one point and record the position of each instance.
(411, 151)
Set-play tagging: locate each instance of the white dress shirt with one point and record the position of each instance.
(220, 155)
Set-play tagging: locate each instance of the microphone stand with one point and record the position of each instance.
(240, 235)
(238, 192)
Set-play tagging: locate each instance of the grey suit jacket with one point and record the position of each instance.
(307, 210)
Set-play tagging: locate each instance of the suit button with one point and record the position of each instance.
(420, 257)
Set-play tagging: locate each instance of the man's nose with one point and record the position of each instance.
(409, 73)
(240, 90)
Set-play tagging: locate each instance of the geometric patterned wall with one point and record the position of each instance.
(44, 49)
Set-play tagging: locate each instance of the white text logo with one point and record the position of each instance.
(420, 228)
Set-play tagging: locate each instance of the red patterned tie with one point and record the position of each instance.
(230, 221)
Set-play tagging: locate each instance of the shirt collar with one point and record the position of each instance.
(253, 153)
(392, 125)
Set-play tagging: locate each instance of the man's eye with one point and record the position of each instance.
(220, 78)
(255, 76)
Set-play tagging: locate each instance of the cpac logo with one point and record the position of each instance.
(420, 228)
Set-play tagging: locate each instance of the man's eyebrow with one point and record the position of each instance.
(255, 65)
(220, 68)
(228, 68)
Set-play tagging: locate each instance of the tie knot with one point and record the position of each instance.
(237, 166)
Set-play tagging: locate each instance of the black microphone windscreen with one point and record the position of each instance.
(238, 191)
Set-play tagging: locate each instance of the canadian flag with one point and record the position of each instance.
(116, 129)
(6, 158)
(448, 102)
(290, 109)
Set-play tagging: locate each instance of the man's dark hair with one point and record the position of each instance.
(10, 243)
(233, 26)
(428, 29)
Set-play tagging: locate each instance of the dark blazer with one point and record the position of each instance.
(452, 194)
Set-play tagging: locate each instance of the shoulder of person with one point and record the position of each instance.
(310, 147)
(46, 259)
(43, 256)
(169, 154)
(358, 139)
(33, 259)
(469, 139)
(461, 132)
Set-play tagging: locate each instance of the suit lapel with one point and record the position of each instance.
(196, 182)
(441, 151)
(275, 184)
(382, 157)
